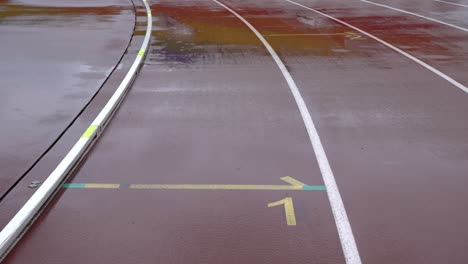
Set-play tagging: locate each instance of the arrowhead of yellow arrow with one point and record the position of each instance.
(292, 181)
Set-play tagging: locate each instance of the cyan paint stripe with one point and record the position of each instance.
(314, 188)
(74, 185)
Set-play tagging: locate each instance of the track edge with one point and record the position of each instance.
(28, 213)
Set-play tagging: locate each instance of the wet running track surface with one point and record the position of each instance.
(54, 57)
(190, 167)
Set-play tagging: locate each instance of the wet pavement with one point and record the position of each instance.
(55, 56)
(211, 107)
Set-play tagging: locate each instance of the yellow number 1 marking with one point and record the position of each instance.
(288, 209)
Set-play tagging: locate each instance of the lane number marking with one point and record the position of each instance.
(288, 210)
(343, 226)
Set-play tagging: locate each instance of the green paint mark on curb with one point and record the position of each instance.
(314, 188)
(89, 132)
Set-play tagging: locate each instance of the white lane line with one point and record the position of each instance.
(341, 218)
(451, 3)
(418, 15)
(420, 62)
(13, 231)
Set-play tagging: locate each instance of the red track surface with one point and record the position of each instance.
(210, 106)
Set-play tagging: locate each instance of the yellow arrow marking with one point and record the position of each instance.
(292, 181)
(293, 185)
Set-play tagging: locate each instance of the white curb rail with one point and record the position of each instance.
(13, 231)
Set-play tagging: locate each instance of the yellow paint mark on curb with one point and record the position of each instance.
(89, 132)
(141, 52)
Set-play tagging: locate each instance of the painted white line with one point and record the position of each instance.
(341, 218)
(414, 14)
(427, 66)
(12, 232)
(451, 3)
